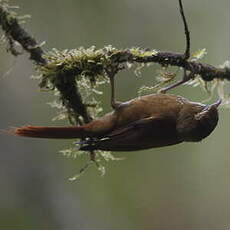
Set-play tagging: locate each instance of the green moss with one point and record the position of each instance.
(142, 53)
(90, 63)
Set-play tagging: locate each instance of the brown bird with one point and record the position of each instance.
(149, 121)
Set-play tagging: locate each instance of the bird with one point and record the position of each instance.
(145, 122)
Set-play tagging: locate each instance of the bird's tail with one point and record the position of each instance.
(50, 132)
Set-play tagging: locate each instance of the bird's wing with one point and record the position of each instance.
(142, 134)
(136, 125)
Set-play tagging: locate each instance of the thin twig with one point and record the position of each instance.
(186, 30)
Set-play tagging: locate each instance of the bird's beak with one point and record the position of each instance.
(216, 104)
(207, 109)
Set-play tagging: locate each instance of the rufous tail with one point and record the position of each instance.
(50, 132)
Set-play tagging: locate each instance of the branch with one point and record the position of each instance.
(206, 71)
(186, 31)
(92, 63)
(14, 32)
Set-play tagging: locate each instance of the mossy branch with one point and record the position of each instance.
(92, 62)
(15, 33)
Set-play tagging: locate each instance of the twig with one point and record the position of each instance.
(186, 30)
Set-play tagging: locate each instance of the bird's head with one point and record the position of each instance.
(197, 121)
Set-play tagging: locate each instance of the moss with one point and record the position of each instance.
(142, 53)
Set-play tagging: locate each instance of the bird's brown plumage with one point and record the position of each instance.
(149, 121)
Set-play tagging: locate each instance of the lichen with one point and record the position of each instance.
(138, 52)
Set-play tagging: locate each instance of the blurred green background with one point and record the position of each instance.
(179, 187)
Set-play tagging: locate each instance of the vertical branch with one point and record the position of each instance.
(186, 31)
(71, 98)
(185, 56)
